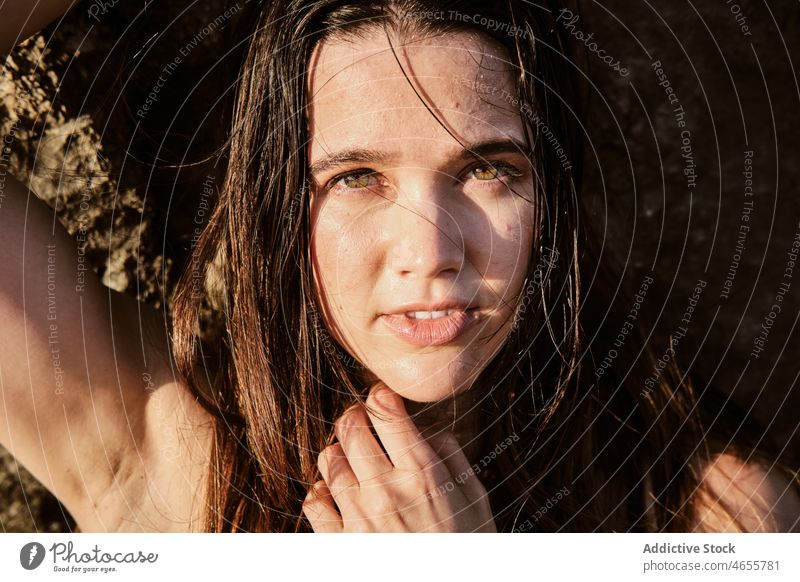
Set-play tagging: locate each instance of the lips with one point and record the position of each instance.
(430, 327)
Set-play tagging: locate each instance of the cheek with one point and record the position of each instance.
(507, 251)
(346, 263)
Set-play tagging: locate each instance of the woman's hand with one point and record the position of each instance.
(421, 486)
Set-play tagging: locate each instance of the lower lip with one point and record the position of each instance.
(430, 332)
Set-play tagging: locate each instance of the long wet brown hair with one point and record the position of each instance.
(575, 421)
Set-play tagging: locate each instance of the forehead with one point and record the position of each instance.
(359, 95)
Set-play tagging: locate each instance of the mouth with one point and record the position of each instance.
(431, 314)
(430, 327)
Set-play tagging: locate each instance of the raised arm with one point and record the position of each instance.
(62, 410)
(74, 369)
(89, 403)
(73, 381)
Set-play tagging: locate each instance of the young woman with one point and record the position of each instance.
(417, 320)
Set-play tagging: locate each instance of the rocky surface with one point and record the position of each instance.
(681, 205)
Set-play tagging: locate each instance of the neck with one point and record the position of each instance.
(459, 415)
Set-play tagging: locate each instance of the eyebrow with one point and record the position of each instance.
(470, 151)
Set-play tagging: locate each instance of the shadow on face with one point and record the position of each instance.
(422, 205)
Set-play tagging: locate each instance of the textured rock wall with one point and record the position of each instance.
(681, 205)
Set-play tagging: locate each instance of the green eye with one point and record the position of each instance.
(355, 180)
(487, 172)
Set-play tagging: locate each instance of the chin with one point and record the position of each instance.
(429, 382)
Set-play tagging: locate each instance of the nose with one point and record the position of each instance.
(426, 239)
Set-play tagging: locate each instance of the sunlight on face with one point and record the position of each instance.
(419, 245)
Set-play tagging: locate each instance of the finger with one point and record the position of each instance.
(336, 471)
(320, 509)
(449, 450)
(364, 454)
(406, 447)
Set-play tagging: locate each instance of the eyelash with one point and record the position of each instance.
(507, 169)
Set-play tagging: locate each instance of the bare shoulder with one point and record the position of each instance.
(745, 495)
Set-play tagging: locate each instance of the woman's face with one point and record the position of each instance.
(419, 245)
